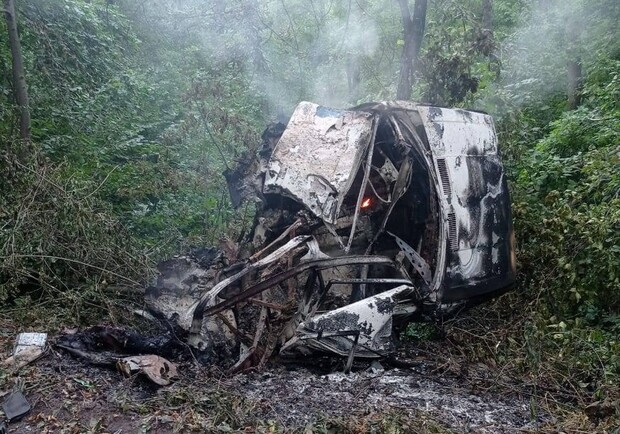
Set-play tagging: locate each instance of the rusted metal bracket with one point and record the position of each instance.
(418, 262)
(319, 264)
(360, 195)
(372, 280)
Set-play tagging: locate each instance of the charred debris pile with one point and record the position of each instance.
(367, 219)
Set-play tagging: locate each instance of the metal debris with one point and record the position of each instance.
(317, 157)
(15, 406)
(28, 348)
(159, 370)
(25, 340)
(129, 352)
(367, 218)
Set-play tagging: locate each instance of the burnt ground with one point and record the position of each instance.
(422, 394)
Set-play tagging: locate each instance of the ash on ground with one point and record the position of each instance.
(297, 396)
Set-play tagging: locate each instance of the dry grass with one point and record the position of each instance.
(499, 348)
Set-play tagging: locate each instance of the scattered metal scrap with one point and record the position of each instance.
(28, 348)
(366, 219)
(15, 406)
(129, 352)
(159, 370)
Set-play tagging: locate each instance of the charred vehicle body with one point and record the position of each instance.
(368, 218)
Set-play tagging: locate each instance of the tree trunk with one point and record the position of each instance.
(353, 78)
(486, 43)
(573, 65)
(487, 15)
(19, 76)
(575, 79)
(413, 34)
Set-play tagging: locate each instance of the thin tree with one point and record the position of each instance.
(573, 64)
(413, 27)
(486, 35)
(19, 76)
(486, 39)
(487, 15)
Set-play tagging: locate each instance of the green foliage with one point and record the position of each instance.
(449, 53)
(149, 132)
(570, 360)
(581, 272)
(567, 207)
(460, 57)
(59, 239)
(560, 329)
(76, 57)
(589, 355)
(420, 331)
(138, 107)
(112, 180)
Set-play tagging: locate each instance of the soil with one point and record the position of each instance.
(70, 396)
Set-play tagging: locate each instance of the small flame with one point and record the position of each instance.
(366, 203)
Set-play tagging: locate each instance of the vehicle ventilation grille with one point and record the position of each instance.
(454, 242)
(445, 179)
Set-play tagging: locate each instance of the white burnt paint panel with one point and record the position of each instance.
(369, 321)
(464, 148)
(317, 157)
(454, 132)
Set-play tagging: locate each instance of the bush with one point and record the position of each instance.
(567, 205)
(56, 237)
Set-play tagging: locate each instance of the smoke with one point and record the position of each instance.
(551, 35)
(346, 42)
(341, 53)
(539, 50)
(290, 50)
(315, 52)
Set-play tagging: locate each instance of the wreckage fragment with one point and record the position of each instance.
(363, 327)
(28, 348)
(130, 352)
(15, 406)
(159, 370)
(317, 157)
(368, 217)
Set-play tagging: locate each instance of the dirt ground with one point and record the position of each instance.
(417, 392)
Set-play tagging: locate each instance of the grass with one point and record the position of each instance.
(569, 370)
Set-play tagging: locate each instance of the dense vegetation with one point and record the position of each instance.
(138, 107)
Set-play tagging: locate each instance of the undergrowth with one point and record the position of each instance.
(556, 338)
(569, 370)
(60, 246)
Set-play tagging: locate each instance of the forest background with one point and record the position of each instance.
(137, 107)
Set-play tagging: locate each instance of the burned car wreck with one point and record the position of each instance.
(368, 218)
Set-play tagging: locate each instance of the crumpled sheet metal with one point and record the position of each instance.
(15, 406)
(262, 303)
(159, 370)
(28, 348)
(465, 151)
(455, 132)
(364, 327)
(181, 282)
(212, 324)
(318, 156)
